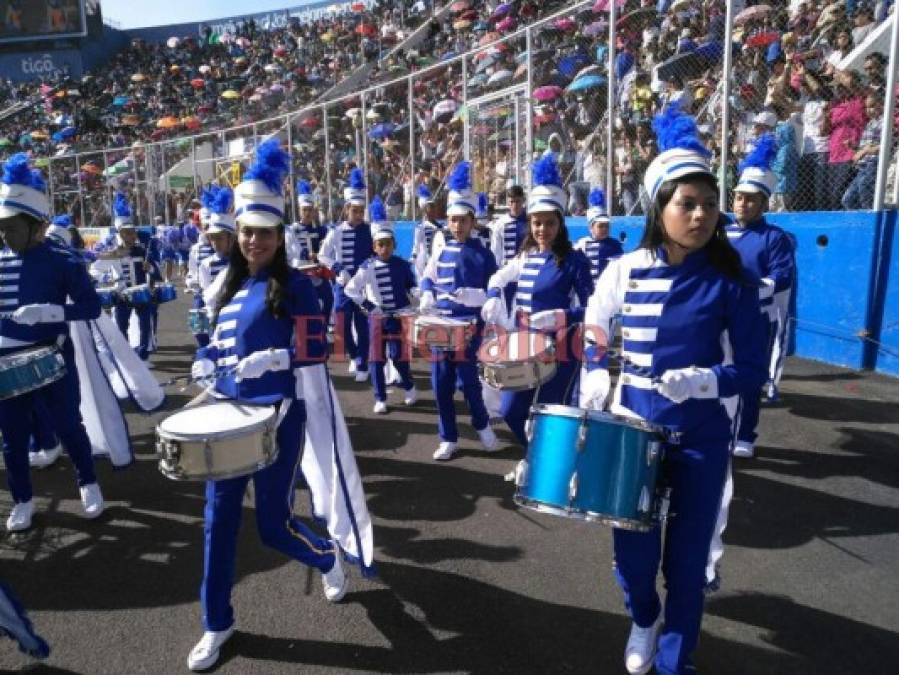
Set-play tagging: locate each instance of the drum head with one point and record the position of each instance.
(215, 419)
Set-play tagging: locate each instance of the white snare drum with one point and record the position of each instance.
(518, 361)
(441, 332)
(220, 440)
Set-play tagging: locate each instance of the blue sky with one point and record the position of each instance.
(136, 14)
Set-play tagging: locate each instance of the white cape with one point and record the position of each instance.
(128, 375)
(330, 470)
(100, 411)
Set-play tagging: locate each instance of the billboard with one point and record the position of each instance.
(28, 20)
(28, 66)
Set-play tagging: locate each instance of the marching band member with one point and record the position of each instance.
(259, 301)
(599, 247)
(423, 237)
(692, 345)
(38, 279)
(767, 252)
(345, 248)
(382, 285)
(304, 238)
(511, 228)
(482, 220)
(549, 276)
(201, 249)
(133, 268)
(169, 242)
(454, 284)
(219, 233)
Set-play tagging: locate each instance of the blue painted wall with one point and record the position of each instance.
(834, 302)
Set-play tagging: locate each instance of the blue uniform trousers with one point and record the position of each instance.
(445, 369)
(350, 316)
(42, 434)
(63, 398)
(274, 492)
(384, 347)
(516, 405)
(123, 316)
(749, 414)
(695, 471)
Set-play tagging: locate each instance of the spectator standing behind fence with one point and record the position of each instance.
(860, 193)
(815, 143)
(845, 123)
(786, 164)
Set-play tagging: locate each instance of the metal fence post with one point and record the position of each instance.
(886, 132)
(610, 109)
(725, 107)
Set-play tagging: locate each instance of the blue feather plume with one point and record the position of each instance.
(676, 129)
(482, 202)
(303, 187)
(376, 210)
(121, 206)
(357, 180)
(63, 220)
(761, 155)
(597, 198)
(545, 171)
(206, 195)
(424, 192)
(270, 166)
(460, 178)
(222, 201)
(17, 171)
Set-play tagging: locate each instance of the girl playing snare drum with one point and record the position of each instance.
(693, 343)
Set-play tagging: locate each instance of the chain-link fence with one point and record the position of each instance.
(498, 88)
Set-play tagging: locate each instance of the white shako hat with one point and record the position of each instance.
(259, 197)
(755, 169)
(547, 194)
(221, 217)
(23, 190)
(681, 152)
(460, 200)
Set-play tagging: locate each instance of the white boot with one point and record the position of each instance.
(445, 451)
(20, 516)
(92, 500)
(44, 458)
(335, 581)
(411, 396)
(206, 652)
(641, 648)
(743, 449)
(488, 439)
(380, 408)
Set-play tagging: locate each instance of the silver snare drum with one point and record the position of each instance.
(216, 441)
(518, 361)
(441, 332)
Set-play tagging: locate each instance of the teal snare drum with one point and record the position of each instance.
(137, 296)
(591, 465)
(28, 370)
(198, 321)
(164, 293)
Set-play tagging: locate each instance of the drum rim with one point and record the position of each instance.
(551, 509)
(452, 321)
(220, 475)
(33, 352)
(58, 375)
(621, 523)
(624, 420)
(265, 424)
(559, 409)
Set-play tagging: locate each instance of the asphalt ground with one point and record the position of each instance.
(468, 582)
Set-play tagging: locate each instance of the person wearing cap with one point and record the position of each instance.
(382, 286)
(255, 359)
(131, 267)
(598, 246)
(548, 275)
(768, 253)
(43, 287)
(511, 228)
(423, 237)
(168, 238)
(454, 284)
(220, 233)
(304, 238)
(201, 249)
(345, 248)
(692, 346)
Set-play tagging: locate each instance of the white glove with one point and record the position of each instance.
(493, 311)
(595, 389)
(202, 369)
(40, 313)
(427, 302)
(344, 278)
(551, 319)
(684, 383)
(259, 363)
(470, 297)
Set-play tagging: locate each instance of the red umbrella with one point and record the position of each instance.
(358, 7)
(565, 24)
(603, 5)
(506, 25)
(762, 39)
(366, 29)
(309, 122)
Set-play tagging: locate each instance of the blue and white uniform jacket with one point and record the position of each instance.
(43, 274)
(345, 249)
(303, 240)
(542, 285)
(460, 266)
(599, 252)
(423, 243)
(508, 233)
(767, 252)
(677, 317)
(245, 325)
(385, 285)
(209, 269)
(198, 253)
